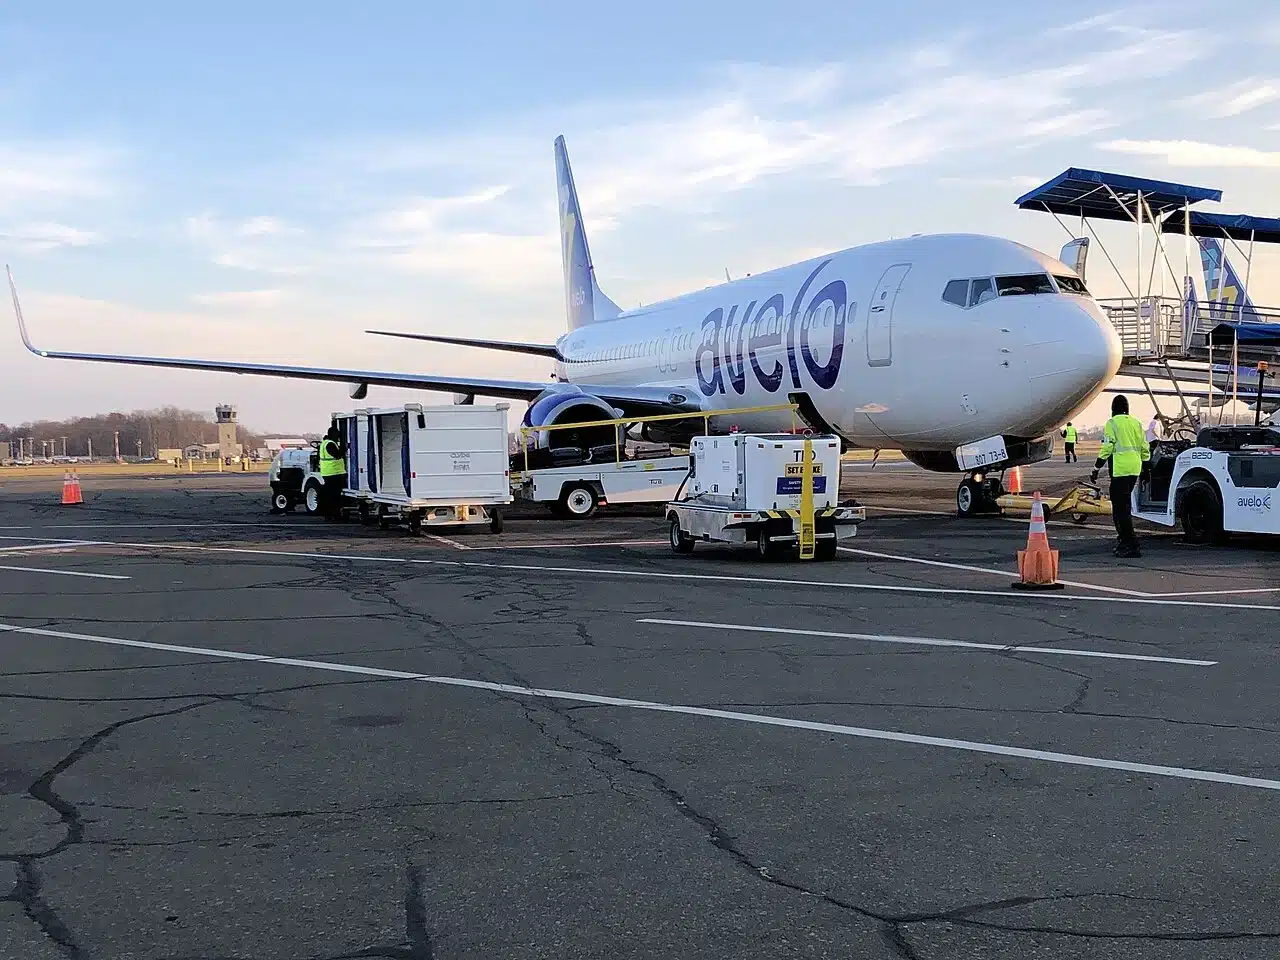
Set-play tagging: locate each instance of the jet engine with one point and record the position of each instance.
(564, 409)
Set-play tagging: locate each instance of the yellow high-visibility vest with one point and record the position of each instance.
(1124, 443)
(331, 465)
(1070, 434)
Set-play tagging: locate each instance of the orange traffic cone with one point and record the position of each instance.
(1037, 565)
(1015, 480)
(71, 490)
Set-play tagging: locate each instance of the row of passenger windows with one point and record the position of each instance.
(970, 293)
(684, 342)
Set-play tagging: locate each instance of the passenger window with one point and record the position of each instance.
(1021, 286)
(981, 291)
(957, 292)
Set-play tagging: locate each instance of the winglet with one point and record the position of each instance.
(17, 311)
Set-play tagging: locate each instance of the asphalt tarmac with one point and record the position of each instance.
(228, 734)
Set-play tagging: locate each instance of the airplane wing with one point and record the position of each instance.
(634, 401)
(534, 349)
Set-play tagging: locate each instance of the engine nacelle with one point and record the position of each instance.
(565, 408)
(357, 391)
(1021, 453)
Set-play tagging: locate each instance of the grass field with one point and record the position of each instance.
(43, 470)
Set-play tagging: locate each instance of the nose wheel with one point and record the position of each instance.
(977, 495)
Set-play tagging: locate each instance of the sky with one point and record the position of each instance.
(265, 182)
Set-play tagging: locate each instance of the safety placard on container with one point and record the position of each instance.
(984, 453)
(797, 469)
(791, 484)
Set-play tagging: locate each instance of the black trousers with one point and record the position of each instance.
(1071, 453)
(1122, 510)
(332, 495)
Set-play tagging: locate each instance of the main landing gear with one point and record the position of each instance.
(977, 494)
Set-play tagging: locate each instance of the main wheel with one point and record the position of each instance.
(281, 503)
(578, 501)
(765, 549)
(1201, 513)
(311, 498)
(680, 541)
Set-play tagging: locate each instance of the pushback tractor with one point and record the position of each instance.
(1228, 481)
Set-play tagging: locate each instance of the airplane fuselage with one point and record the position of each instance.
(867, 334)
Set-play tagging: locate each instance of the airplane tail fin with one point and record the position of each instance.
(1225, 296)
(584, 301)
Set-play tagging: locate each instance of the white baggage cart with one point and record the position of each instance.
(437, 466)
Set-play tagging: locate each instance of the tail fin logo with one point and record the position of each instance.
(1225, 295)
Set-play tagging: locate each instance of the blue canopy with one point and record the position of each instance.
(1250, 333)
(1237, 226)
(1110, 196)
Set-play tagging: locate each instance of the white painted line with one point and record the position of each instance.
(686, 577)
(56, 545)
(592, 543)
(929, 642)
(67, 573)
(1216, 593)
(867, 733)
(446, 541)
(988, 570)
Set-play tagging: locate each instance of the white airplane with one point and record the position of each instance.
(923, 345)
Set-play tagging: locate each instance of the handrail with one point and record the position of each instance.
(705, 415)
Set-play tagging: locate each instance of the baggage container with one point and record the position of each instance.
(433, 466)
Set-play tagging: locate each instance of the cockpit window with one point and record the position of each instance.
(957, 292)
(1025, 285)
(1071, 285)
(981, 291)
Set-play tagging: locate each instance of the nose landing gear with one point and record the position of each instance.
(977, 495)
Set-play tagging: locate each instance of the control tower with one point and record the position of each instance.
(228, 446)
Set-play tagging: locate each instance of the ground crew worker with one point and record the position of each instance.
(1069, 435)
(333, 473)
(1124, 444)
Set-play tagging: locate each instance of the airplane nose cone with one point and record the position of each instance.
(1070, 366)
(1099, 351)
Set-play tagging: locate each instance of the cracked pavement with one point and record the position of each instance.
(158, 805)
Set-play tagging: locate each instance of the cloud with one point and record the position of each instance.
(239, 298)
(258, 244)
(48, 236)
(1234, 99)
(490, 217)
(1020, 182)
(265, 227)
(36, 172)
(825, 121)
(1191, 153)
